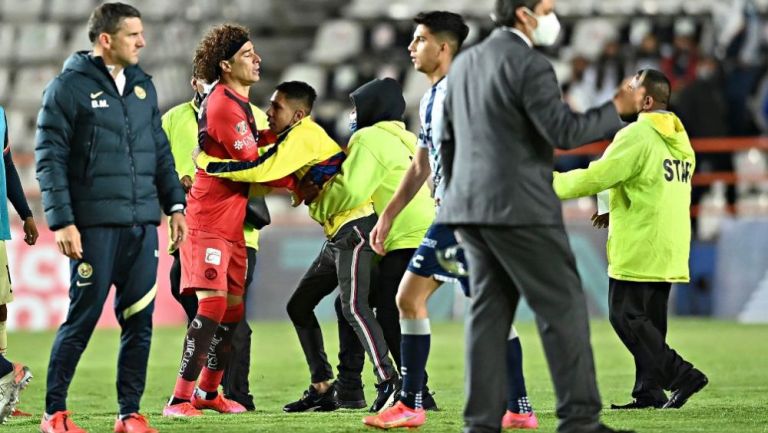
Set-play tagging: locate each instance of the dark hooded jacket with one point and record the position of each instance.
(102, 158)
(378, 156)
(377, 101)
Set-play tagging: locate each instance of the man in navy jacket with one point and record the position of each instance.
(105, 167)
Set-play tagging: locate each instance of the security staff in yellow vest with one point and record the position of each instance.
(647, 170)
(180, 125)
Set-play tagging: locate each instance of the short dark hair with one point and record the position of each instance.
(298, 91)
(445, 24)
(504, 12)
(106, 19)
(656, 85)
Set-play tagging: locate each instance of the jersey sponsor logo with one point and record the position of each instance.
(85, 270)
(211, 273)
(674, 169)
(213, 256)
(96, 95)
(244, 143)
(241, 127)
(140, 92)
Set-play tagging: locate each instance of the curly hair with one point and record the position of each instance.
(216, 46)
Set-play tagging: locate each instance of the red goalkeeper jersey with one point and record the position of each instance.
(227, 130)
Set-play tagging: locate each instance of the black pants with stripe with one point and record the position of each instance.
(127, 258)
(235, 380)
(344, 261)
(638, 313)
(386, 280)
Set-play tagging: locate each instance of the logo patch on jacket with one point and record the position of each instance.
(85, 270)
(140, 92)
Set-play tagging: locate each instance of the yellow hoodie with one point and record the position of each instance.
(648, 169)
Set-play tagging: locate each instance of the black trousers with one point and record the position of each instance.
(385, 279)
(127, 258)
(345, 261)
(235, 380)
(535, 262)
(638, 313)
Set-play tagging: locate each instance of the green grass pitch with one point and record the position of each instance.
(735, 357)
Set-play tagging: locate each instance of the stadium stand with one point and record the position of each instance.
(337, 44)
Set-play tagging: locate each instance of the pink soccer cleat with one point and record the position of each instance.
(133, 423)
(513, 420)
(220, 404)
(397, 416)
(60, 422)
(181, 410)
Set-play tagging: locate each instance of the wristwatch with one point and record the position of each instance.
(178, 208)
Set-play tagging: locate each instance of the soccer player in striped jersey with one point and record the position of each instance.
(436, 40)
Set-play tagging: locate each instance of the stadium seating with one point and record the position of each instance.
(335, 45)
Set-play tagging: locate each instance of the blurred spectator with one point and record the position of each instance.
(648, 54)
(701, 105)
(738, 25)
(680, 66)
(703, 109)
(579, 92)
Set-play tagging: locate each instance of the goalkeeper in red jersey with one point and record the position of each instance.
(214, 259)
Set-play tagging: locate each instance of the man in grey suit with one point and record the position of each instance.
(503, 117)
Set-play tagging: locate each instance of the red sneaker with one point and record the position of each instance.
(220, 404)
(133, 423)
(17, 412)
(181, 410)
(397, 416)
(59, 422)
(513, 420)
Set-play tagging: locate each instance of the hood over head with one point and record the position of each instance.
(378, 100)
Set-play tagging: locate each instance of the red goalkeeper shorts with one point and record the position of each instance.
(211, 262)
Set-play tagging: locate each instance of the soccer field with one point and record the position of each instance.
(735, 357)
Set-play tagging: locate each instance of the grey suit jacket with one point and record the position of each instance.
(504, 115)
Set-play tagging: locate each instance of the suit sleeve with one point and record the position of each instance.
(55, 125)
(553, 119)
(279, 161)
(621, 161)
(13, 184)
(169, 188)
(361, 175)
(447, 138)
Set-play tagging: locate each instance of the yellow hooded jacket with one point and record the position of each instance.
(298, 149)
(648, 169)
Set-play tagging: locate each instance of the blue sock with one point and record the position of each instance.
(517, 400)
(5, 366)
(414, 350)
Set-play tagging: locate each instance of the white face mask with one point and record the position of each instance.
(546, 33)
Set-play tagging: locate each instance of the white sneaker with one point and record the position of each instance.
(10, 386)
